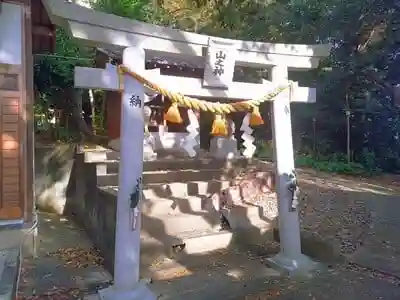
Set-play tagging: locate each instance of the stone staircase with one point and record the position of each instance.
(179, 209)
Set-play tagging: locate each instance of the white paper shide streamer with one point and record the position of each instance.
(233, 129)
(148, 142)
(193, 138)
(248, 139)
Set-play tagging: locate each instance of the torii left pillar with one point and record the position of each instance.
(127, 237)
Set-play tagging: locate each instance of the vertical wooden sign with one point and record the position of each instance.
(219, 64)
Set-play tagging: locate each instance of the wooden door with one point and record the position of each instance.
(11, 124)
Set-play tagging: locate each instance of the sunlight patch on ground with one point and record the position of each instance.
(378, 187)
(171, 273)
(356, 187)
(236, 274)
(375, 191)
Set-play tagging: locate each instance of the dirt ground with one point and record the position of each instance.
(359, 217)
(351, 212)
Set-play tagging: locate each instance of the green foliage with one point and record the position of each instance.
(264, 150)
(336, 164)
(357, 76)
(53, 76)
(134, 9)
(141, 10)
(55, 72)
(98, 120)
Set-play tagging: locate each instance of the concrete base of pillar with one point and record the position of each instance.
(301, 266)
(140, 292)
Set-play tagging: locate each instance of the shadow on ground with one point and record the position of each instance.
(66, 266)
(340, 216)
(344, 220)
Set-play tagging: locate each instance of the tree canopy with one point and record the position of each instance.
(358, 78)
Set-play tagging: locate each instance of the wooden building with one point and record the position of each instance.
(24, 29)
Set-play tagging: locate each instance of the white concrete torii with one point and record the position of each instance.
(97, 28)
(148, 40)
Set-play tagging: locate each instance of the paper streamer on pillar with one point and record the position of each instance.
(248, 139)
(149, 141)
(162, 128)
(232, 130)
(193, 139)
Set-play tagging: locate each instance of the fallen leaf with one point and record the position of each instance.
(78, 257)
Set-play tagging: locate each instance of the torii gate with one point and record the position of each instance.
(141, 39)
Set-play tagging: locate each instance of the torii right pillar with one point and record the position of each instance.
(290, 259)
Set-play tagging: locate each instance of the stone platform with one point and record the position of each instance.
(187, 202)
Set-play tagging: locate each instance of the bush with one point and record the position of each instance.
(334, 164)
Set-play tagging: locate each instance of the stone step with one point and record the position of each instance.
(244, 216)
(195, 242)
(239, 217)
(163, 227)
(168, 177)
(166, 223)
(110, 166)
(202, 241)
(107, 180)
(198, 230)
(172, 205)
(193, 164)
(96, 156)
(185, 176)
(185, 189)
(107, 165)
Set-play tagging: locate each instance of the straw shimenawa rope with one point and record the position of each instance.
(220, 124)
(203, 105)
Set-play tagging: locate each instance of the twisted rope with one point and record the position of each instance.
(203, 105)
